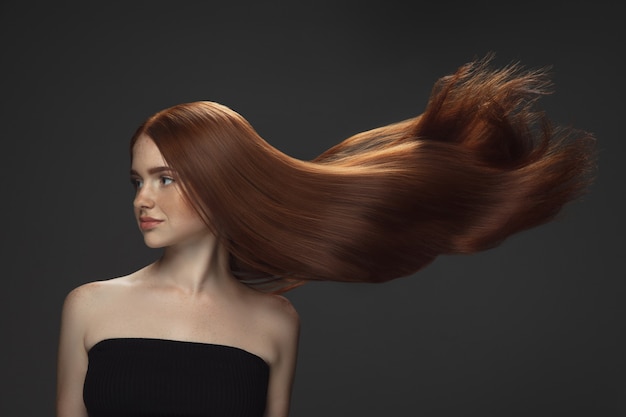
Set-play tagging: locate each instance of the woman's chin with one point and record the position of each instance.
(153, 244)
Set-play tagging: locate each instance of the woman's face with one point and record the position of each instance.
(163, 214)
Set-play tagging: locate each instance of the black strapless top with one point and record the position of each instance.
(143, 377)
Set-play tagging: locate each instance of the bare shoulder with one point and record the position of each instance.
(91, 291)
(86, 297)
(81, 296)
(275, 315)
(277, 308)
(86, 305)
(279, 322)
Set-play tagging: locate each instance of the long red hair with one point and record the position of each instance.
(480, 164)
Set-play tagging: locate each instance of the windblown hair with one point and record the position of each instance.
(478, 165)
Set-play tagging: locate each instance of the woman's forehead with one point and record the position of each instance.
(145, 151)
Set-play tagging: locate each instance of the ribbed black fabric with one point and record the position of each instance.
(141, 377)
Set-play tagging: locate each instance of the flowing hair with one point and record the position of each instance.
(478, 165)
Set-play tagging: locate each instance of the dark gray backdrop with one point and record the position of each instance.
(532, 328)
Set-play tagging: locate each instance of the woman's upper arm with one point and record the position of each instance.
(72, 356)
(282, 370)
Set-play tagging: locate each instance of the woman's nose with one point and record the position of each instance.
(144, 198)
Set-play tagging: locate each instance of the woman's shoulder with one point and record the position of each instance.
(91, 292)
(275, 319)
(283, 308)
(275, 313)
(272, 304)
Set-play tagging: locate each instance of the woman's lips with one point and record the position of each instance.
(147, 223)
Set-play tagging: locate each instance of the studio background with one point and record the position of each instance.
(534, 327)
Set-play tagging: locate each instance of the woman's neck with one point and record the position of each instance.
(195, 268)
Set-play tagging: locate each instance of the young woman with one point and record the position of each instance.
(204, 329)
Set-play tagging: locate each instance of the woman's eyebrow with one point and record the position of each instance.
(153, 171)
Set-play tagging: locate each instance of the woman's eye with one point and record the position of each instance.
(167, 180)
(137, 183)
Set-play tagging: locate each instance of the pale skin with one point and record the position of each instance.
(188, 294)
